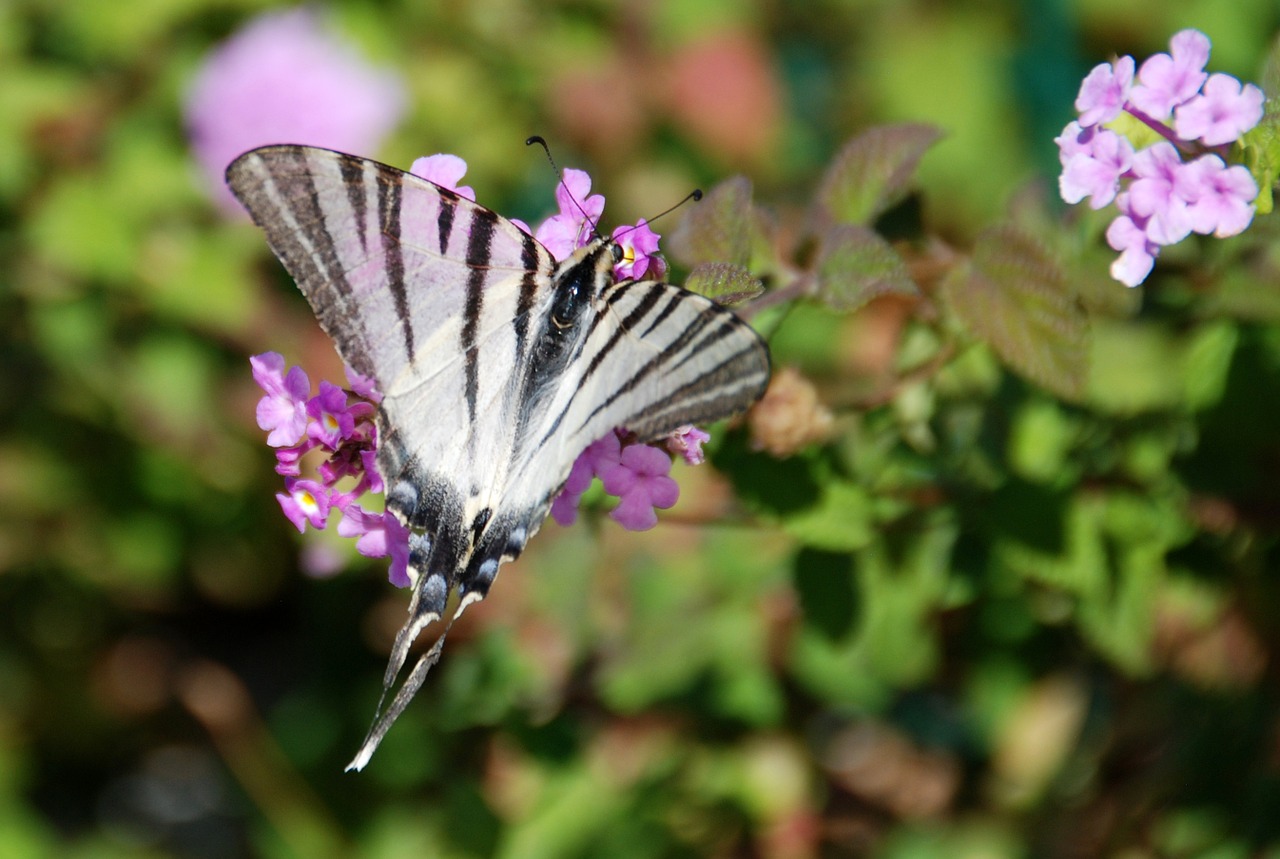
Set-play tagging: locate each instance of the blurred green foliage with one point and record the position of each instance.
(1015, 597)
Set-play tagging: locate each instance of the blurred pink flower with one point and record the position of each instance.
(285, 78)
(446, 171)
(1104, 90)
(1168, 80)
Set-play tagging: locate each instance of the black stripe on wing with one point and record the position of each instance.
(352, 170)
(528, 294)
(389, 194)
(479, 240)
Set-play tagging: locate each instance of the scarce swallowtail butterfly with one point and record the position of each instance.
(497, 364)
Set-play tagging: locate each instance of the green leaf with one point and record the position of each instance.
(1207, 361)
(841, 522)
(1251, 293)
(1134, 366)
(828, 596)
(1079, 250)
(775, 486)
(1261, 144)
(874, 171)
(724, 283)
(717, 229)
(1041, 442)
(1015, 297)
(1261, 148)
(855, 265)
(892, 643)
(73, 231)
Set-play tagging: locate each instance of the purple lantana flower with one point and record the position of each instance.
(1173, 187)
(639, 251)
(346, 433)
(368, 528)
(575, 223)
(305, 501)
(283, 411)
(1094, 168)
(1223, 111)
(564, 509)
(618, 450)
(378, 535)
(1158, 194)
(1166, 80)
(642, 481)
(1137, 251)
(286, 78)
(331, 422)
(1103, 93)
(687, 442)
(1218, 197)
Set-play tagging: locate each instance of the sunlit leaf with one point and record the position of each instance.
(1261, 144)
(874, 171)
(717, 229)
(841, 521)
(856, 265)
(1015, 297)
(723, 282)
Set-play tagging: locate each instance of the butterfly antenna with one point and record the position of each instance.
(695, 195)
(540, 141)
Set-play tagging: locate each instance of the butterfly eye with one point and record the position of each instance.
(619, 253)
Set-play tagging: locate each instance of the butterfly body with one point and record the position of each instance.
(497, 365)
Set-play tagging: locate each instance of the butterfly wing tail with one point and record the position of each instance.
(384, 719)
(430, 598)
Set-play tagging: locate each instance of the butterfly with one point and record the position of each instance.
(498, 365)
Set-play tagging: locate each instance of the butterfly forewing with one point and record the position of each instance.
(497, 367)
(395, 267)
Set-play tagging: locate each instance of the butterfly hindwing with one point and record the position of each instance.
(497, 365)
(651, 357)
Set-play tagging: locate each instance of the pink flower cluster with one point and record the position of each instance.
(1178, 185)
(638, 474)
(298, 423)
(340, 423)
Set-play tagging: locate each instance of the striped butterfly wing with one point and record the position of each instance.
(497, 365)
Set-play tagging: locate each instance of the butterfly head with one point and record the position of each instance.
(593, 261)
